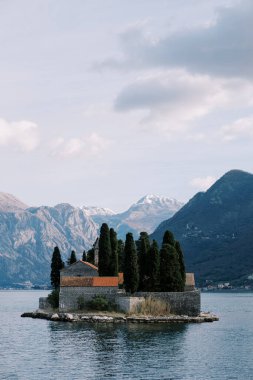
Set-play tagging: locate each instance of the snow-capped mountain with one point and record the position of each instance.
(29, 234)
(93, 210)
(147, 213)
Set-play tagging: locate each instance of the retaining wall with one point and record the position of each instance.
(69, 295)
(181, 303)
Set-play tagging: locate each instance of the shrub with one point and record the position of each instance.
(100, 303)
(53, 298)
(152, 306)
(80, 303)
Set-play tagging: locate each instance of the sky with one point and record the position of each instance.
(104, 101)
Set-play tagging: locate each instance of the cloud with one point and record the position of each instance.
(173, 99)
(22, 135)
(202, 183)
(221, 48)
(239, 129)
(92, 145)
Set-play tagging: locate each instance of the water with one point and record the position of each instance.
(38, 349)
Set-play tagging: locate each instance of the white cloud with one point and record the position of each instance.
(223, 47)
(202, 183)
(239, 129)
(92, 145)
(173, 99)
(22, 135)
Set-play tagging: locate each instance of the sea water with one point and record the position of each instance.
(38, 349)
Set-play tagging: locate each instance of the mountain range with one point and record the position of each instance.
(215, 229)
(29, 234)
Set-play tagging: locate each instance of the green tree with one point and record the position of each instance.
(90, 256)
(84, 256)
(143, 247)
(105, 251)
(170, 276)
(131, 271)
(121, 255)
(168, 238)
(114, 253)
(181, 263)
(154, 281)
(72, 258)
(56, 265)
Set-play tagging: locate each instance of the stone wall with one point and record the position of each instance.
(181, 303)
(128, 303)
(44, 304)
(69, 295)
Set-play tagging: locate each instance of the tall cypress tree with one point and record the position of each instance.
(121, 255)
(170, 276)
(181, 263)
(72, 259)
(168, 238)
(131, 271)
(104, 251)
(90, 256)
(84, 256)
(56, 265)
(154, 260)
(143, 246)
(114, 254)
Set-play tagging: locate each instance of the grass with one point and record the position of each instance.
(152, 307)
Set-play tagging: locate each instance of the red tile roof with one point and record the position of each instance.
(89, 281)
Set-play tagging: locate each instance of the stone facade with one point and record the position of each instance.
(181, 303)
(69, 296)
(44, 304)
(80, 269)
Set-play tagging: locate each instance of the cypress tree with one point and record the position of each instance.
(170, 276)
(104, 251)
(90, 256)
(131, 271)
(114, 254)
(168, 238)
(121, 255)
(72, 259)
(181, 263)
(56, 265)
(84, 256)
(143, 246)
(154, 281)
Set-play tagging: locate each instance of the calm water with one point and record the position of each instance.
(37, 349)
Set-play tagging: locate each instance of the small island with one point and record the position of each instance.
(119, 282)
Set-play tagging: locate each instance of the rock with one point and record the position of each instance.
(55, 317)
(101, 318)
(69, 317)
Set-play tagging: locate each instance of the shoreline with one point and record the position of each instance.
(105, 318)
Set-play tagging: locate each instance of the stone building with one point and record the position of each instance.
(80, 282)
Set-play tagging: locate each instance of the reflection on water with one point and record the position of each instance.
(120, 349)
(38, 349)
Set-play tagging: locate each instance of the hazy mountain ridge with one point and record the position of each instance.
(29, 234)
(143, 215)
(215, 229)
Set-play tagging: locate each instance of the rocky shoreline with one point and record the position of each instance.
(103, 318)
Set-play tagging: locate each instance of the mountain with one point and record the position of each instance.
(9, 203)
(215, 229)
(29, 234)
(143, 215)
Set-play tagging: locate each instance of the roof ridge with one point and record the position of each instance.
(89, 264)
